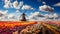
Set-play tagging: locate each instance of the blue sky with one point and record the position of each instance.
(35, 4)
(12, 9)
(17, 7)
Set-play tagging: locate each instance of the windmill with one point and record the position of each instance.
(23, 16)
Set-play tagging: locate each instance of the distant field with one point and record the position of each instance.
(56, 23)
(14, 23)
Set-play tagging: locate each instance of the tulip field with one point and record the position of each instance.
(7, 27)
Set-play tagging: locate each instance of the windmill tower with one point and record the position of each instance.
(23, 17)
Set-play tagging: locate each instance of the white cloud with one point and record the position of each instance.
(19, 5)
(17, 11)
(11, 16)
(57, 4)
(36, 17)
(15, 4)
(32, 8)
(33, 15)
(4, 16)
(46, 8)
(7, 4)
(40, 17)
(55, 15)
(5, 1)
(46, 15)
(3, 13)
(26, 7)
(44, 2)
(51, 15)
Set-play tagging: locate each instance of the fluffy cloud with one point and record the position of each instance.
(55, 15)
(36, 16)
(40, 17)
(5, 1)
(11, 16)
(33, 14)
(58, 4)
(46, 15)
(17, 11)
(20, 5)
(15, 4)
(3, 13)
(44, 2)
(26, 7)
(4, 16)
(51, 15)
(46, 8)
(7, 4)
